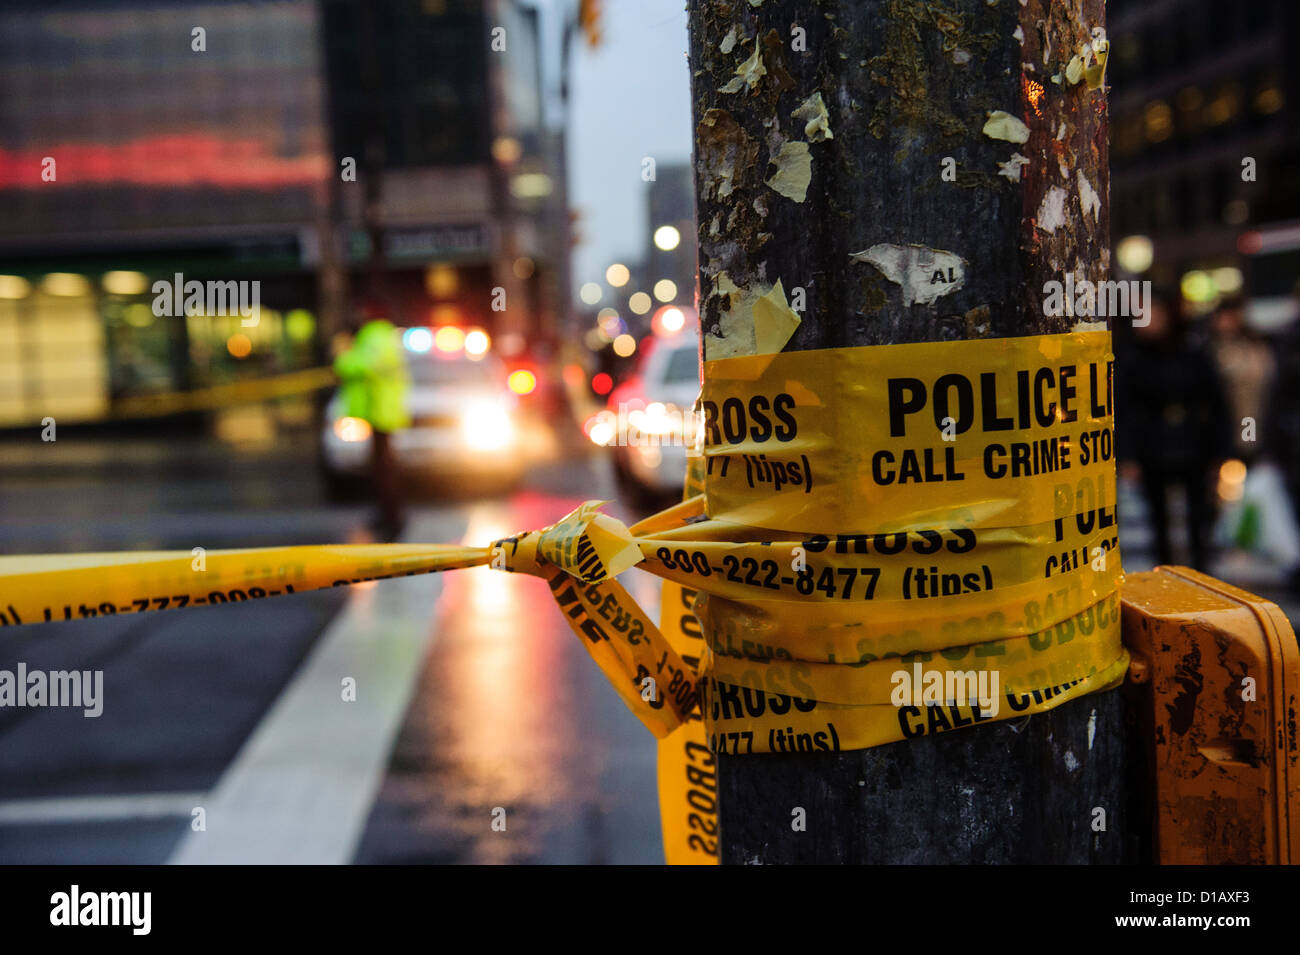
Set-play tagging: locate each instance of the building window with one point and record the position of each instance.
(1268, 98)
(1225, 105)
(1158, 119)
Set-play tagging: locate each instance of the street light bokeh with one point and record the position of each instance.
(617, 275)
(667, 238)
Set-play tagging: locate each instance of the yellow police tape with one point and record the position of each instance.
(290, 384)
(877, 544)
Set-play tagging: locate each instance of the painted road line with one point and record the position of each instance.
(119, 808)
(300, 789)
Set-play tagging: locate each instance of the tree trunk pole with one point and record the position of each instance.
(908, 85)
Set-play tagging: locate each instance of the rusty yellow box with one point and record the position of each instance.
(1214, 687)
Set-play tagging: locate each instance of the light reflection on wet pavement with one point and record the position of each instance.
(511, 713)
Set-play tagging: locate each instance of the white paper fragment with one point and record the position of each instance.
(774, 321)
(1011, 168)
(735, 323)
(960, 57)
(756, 321)
(1089, 201)
(1002, 125)
(1095, 73)
(722, 282)
(924, 273)
(793, 171)
(1019, 34)
(728, 42)
(748, 73)
(1060, 133)
(1051, 213)
(817, 122)
(1074, 70)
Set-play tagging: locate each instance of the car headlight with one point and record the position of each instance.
(602, 428)
(486, 426)
(352, 429)
(661, 420)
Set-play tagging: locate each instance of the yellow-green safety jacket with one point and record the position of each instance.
(374, 376)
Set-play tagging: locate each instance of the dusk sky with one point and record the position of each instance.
(629, 98)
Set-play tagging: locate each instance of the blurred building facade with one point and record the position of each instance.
(385, 154)
(1197, 88)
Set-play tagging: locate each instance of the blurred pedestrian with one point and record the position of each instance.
(1171, 422)
(1247, 367)
(375, 383)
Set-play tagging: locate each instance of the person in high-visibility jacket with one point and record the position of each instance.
(375, 383)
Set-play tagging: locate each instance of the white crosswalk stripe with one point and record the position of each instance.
(301, 788)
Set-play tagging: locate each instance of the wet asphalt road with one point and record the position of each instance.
(474, 697)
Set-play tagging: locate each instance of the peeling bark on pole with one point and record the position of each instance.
(907, 85)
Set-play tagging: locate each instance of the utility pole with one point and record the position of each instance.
(971, 126)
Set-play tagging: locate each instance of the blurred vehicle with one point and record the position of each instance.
(648, 422)
(464, 428)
